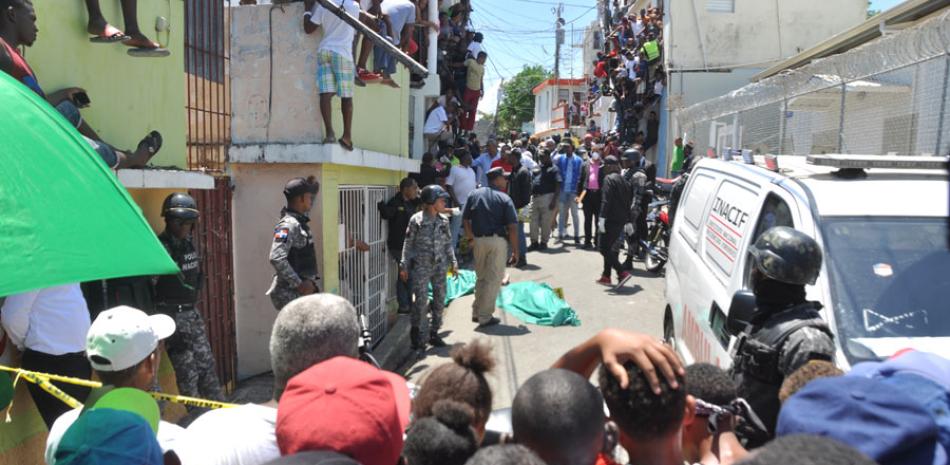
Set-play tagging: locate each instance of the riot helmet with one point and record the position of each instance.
(180, 206)
(787, 255)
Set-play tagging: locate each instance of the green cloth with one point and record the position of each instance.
(652, 50)
(537, 304)
(457, 286)
(64, 217)
(678, 156)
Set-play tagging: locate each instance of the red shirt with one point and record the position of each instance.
(503, 163)
(601, 69)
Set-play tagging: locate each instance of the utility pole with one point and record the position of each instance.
(558, 41)
(501, 93)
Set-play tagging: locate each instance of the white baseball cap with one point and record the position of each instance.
(123, 336)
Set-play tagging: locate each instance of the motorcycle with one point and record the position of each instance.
(658, 236)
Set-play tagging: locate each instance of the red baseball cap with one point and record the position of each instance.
(347, 406)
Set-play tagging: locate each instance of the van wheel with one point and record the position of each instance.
(668, 326)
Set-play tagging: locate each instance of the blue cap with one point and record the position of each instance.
(871, 415)
(115, 437)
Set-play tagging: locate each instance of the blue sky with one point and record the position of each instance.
(521, 32)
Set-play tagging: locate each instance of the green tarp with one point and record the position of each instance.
(64, 217)
(536, 304)
(457, 286)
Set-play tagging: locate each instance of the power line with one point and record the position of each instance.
(575, 5)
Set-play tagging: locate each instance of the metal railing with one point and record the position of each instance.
(207, 62)
(889, 96)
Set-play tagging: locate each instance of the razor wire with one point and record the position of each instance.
(888, 96)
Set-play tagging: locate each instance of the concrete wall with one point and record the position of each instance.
(130, 96)
(257, 203)
(273, 87)
(759, 31)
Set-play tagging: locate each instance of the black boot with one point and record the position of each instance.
(416, 339)
(435, 340)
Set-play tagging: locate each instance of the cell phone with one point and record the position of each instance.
(81, 99)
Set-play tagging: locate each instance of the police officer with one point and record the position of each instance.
(176, 296)
(639, 181)
(292, 253)
(489, 218)
(427, 255)
(787, 331)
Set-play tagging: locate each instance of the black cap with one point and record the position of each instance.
(611, 160)
(495, 172)
(300, 186)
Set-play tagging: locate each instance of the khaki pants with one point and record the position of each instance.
(542, 218)
(491, 256)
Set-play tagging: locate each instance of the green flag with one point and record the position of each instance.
(64, 217)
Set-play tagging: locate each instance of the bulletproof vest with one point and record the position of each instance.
(304, 259)
(182, 288)
(755, 366)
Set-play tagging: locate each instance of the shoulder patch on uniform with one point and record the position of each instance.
(281, 234)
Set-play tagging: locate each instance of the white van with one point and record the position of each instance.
(881, 222)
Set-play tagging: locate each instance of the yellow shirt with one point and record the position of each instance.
(473, 79)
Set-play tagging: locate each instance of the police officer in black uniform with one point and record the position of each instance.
(177, 296)
(292, 253)
(786, 331)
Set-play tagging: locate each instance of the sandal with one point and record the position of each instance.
(347, 145)
(109, 35)
(153, 143)
(143, 52)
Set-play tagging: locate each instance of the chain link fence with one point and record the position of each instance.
(889, 96)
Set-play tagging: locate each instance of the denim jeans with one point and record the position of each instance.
(522, 241)
(567, 204)
(456, 225)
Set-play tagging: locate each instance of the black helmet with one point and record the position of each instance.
(180, 205)
(787, 255)
(433, 192)
(300, 186)
(632, 155)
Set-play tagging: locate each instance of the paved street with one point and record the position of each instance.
(523, 350)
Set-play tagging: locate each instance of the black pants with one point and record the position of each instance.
(74, 365)
(591, 210)
(607, 242)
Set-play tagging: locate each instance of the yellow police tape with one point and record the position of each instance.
(43, 381)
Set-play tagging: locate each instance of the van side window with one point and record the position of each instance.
(775, 212)
(694, 204)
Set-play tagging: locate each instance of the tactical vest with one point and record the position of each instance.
(304, 259)
(182, 288)
(755, 366)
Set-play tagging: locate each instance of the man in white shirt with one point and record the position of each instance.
(460, 183)
(308, 330)
(49, 327)
(122, 347)
(437, 128)
(334, 65)
(400, 13)
(475, 47)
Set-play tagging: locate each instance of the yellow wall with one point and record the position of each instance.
(130, 96)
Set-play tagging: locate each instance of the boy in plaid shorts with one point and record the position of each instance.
(334, 64)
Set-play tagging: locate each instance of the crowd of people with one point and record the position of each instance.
(329, 406)
(630, 69)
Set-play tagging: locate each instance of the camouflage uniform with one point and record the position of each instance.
(188, 348)
(428, 255)
(293, 256)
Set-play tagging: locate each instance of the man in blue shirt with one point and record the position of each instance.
(483, 163)
(489, 218)
(569, 166)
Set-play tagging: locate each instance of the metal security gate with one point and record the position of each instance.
(367, 278)
(207, 61)
(216, 302)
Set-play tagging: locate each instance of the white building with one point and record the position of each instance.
(553, 102)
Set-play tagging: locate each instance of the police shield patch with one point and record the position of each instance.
(280, 234)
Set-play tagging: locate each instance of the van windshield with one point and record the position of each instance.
(890, 280)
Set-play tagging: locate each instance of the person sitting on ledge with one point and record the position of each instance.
(18, 29)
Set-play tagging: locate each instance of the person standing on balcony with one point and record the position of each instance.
(474, 90)
(292, 254)
(177, 296)
(397, 213)
(334, 65)
(399, 14)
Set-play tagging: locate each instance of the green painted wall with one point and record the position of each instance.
(130, 96)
